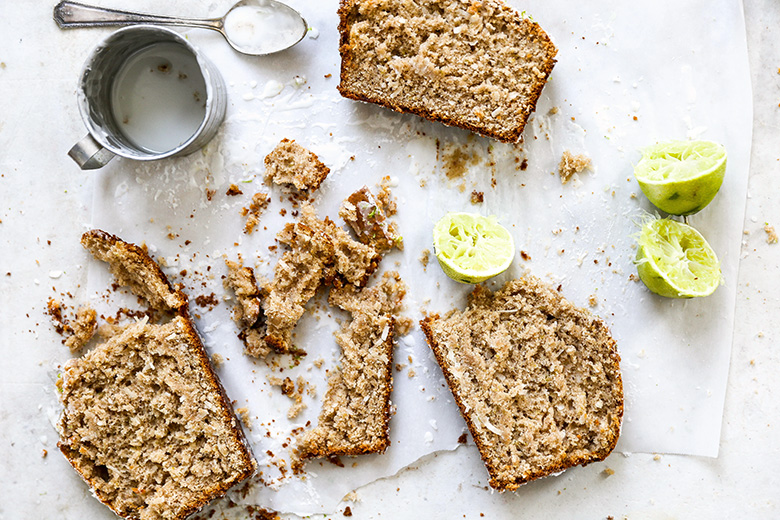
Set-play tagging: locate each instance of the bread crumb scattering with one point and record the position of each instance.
(479, 66)
(355, 412)
(293, 166)
(288, 388)
(146, 422)
(571, 165)
(256, 207)
(537, 380)
(771, 235)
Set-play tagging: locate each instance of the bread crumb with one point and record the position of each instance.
(771, 236)
(233, 190)
(477, 197)
(425, 257)
(217, 359)
(656, 457)
(633, 278)
(592, 300)
(243, 414)
(609, 472)
(347, 511)
(365, 214)
(259, 203)
(318, 362)
(411, 373)
(572, 164)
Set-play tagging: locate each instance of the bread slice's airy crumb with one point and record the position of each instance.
(476, 65)
(147, 424)
(293, 166)
(356, 409)
(537, 380)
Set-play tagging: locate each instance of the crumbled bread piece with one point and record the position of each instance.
(82, 328)
(131, 266)
(259, 202)
(363, 213)
(572, 164)
(356, 408)
(771, 235)
(425, 257)
(292, 165)
(478, 65)
(385, 196)
(248, 311)
(246, 420)
(233, 190)
(297, 276)
(593, 300)
(147, 424)
(287, 386)
(241, 280)
(536, 378)
(320, 252)
(477, 197)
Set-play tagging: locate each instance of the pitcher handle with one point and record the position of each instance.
(89, 154)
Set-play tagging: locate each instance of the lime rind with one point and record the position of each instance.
(472, 248)
(679, 160)
(681, 177)
(675, 260)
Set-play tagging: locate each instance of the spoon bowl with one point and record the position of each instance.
(253, 27)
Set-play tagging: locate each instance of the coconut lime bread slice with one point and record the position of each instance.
(355, 414)
(536, 378)
(145, 421)
(475, 64)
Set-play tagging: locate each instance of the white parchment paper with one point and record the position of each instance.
(628, 75)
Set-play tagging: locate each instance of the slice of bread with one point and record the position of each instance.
(536, 378)
(478, 65)
(355, 412)
(146, 422)
(147, 425)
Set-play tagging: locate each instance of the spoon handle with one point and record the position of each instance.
(72, 14)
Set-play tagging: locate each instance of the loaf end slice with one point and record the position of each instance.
(536, 378)
(475, 65)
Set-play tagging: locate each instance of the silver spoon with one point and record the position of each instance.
(255, 27)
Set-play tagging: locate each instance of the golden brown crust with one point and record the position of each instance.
(132, 266)
(348, 13)
(568, 460)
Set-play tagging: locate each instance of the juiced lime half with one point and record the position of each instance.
(674, 260)
(472, 248)
(681, 177)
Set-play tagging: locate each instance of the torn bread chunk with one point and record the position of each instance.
(475, 65)
(81, 329)
(292, 165)
(364, 214)
(356, 409)
(147, 424)
(241, 280)
(536, 378)
(132, 266)
(320, 252)
(247, 311)
(297, 275)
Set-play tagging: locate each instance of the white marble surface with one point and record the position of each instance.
(741, 481)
